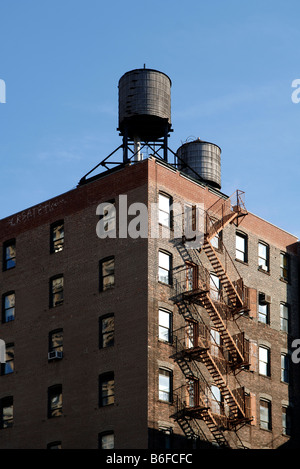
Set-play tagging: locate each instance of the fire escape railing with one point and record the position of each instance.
(193, 285)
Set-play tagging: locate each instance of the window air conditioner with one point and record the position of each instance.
(55, 355)
(263, 298)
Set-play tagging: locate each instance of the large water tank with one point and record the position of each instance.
(144, 104)
(202, 157)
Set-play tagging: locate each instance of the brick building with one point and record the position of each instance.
(147, 341)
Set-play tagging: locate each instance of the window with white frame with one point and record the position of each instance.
(263, 256)
(164, 267)
(264, 360)
(284, 317)
(265, 414)
(263, 310)
(241, 247)
(164, 210)
(165, 385)
(164, 325)
(285, 367)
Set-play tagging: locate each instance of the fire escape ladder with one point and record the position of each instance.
(215, 311)
(185, 415)
(223, 212)
(213, 365)
(235, 290)
(220, 214)
(210, 419)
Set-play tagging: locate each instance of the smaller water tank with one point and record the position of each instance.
(202, 157)
(144, 104)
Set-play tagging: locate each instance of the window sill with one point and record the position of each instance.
(284, 280)
(8, 268)
(267, 272)
(165, 284)
(264, 323)
(284, 382)
(165, 402)
(166, 342)
(266, 429)
(265, 376)
(241, 262)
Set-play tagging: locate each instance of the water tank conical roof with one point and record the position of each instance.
(144, 104)
(201, 158)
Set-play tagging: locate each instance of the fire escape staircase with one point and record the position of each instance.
(218, 216)
(234, 289)
(216, 365)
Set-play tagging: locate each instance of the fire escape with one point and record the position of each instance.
(219, 401)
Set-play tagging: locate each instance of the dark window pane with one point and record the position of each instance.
(57, 291)
(107, 273)
(107, 392)
(55, 401)
(9, 307)
(9, 255)
(107, 331)
(56, 341)
(57, 233)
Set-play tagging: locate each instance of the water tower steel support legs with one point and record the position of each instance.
(125, 147)
(165, 152)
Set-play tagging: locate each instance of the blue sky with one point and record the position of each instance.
(231, 63)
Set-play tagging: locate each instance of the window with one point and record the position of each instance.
(107, 273)
(107, 440)
(107, 331)
(216, 241)
(191, 276)
(215, 340)
(165, 437)
(165, 385)
(54, 445)
(285, 368)
(265, 414)
(216, 400)
(106, 389)
(56, 342)
(191, 333)
(263, 257)
(192, 392)
(9, 254)
(214, 287)
(284, 317)
(190, 222)
(8, 307)
(263, 309)
(164, 267)
(56, 291)
(8, 366)
(164, 210)
(264, 361)
(164, 325)
(241, 247)
(284, 266)
(57, 236)
(55, 401)
(6, 412)
(286, 421)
